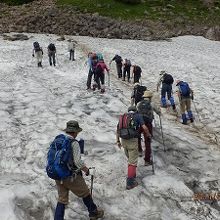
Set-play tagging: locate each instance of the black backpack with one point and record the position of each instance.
(118, 59)
(138, 93)
(36, 46)
(168, 79)
(145, 109)
(51, 47)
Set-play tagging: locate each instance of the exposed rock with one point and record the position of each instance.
(15, 37)
(213, 33)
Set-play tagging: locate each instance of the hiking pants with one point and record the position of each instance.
(76, 185)
(119, 69)
(127, 71)
(100, 77)
(131, 150)
(185, 106)
(52, 59)
(72, 53)
(166, 90)
(147, 142)
(89, 79)
(137, 78)
(39, 56)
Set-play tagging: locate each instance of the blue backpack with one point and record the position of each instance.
(184, 89)
(60, 158)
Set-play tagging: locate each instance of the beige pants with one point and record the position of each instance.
(131, 150)
(185, 105)
(77, 186)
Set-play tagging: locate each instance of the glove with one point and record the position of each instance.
(32, 55)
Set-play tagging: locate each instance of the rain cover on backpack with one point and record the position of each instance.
(59, 158)
(127, 127)
(184, 89)
(145, 109)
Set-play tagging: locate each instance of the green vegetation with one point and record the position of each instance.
(16, 2)
(188, 10)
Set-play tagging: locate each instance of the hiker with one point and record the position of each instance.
(136, 73)
(146, 109)
(75, 182)
(100, 75)
(118, 60)
(71, 49)
(128, 131)
(167, 82)
(38, 52)
(51, 54)
(137, 93)
(185, 95)
(92, 61)
(126, 69)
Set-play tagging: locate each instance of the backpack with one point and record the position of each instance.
(168, 79)
(128, 63)
(98, 69)
(138, 93)
(118, 59)
(51, 47)
(60, 158)
(127, 128)
(36, 46)
(184, 89)
(145, 109)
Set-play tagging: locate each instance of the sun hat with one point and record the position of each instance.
(72, 126)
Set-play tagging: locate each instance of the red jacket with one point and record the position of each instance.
(103, 66)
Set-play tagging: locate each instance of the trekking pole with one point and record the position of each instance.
(109, 80)
(57, 59)
(92, 172)
(161, 129)
(152, 158)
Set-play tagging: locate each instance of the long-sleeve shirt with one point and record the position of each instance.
(78, 162)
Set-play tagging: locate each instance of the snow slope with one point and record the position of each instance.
(37, 103)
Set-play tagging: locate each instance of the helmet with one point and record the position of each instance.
(136, 84)
(148, 94)
(132, 108)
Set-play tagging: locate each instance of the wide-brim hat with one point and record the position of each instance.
(72, 126)
(147, 94)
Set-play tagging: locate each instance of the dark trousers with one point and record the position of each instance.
(52, 59)
(147, 142)
(72, 53)
(136, 78)
(126, 71)
(119, 69)
(100, 77)
(166, 89)
(89, 79)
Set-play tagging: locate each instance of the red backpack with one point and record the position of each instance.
(127, 127)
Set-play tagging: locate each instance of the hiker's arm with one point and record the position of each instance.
(158, 84)
(146, 131)
(33, 53)
(77, 156)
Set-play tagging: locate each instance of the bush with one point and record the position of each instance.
(16, 2)
(130, 1)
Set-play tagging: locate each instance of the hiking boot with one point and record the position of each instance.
(191, 120)
(102, 90)
(184, 123)
(123, 79)
(99, 213)
(148, 163)
(174, 107)
(131, 183)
